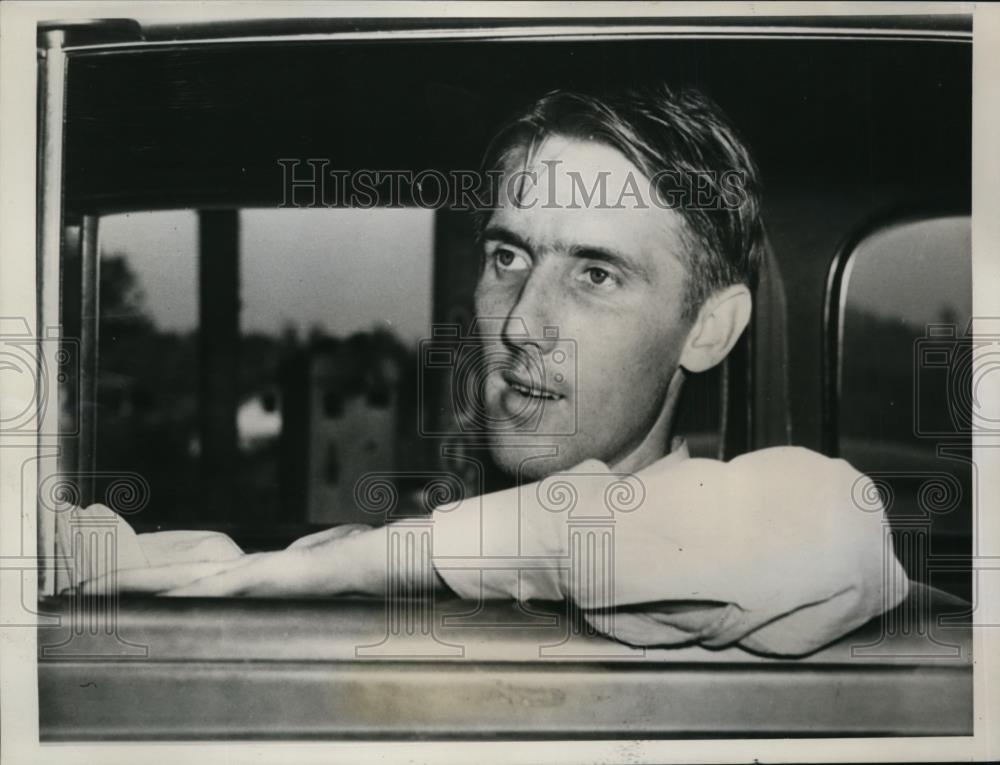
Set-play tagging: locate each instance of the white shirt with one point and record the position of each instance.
(780, 551)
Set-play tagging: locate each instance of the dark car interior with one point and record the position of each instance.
(259, 425)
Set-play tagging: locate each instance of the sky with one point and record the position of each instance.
(346, 270)
(915, 271)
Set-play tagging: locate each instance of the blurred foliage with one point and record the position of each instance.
(148, 405)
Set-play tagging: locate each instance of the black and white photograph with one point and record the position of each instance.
(549, 382)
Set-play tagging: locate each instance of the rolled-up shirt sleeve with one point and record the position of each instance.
(781, 550)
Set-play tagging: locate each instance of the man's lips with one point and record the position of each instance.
(528, 387)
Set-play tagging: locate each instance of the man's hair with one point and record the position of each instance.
(665, 134)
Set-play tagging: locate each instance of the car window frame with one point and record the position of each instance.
(835, 295)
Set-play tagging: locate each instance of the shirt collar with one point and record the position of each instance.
(678, 453)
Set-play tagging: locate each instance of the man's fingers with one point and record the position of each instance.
(266, 571)
(155, 579)
(221, 584)
(273, 574)
(150, 579)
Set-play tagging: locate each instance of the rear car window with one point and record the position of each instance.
(904, 410)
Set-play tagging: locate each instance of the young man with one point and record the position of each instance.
(631, 226)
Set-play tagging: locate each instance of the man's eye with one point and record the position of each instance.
(598, 277)
(508, 260)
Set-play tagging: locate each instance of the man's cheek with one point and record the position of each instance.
(599, 383)
(621, 375)
(493, 300)
(601, 357)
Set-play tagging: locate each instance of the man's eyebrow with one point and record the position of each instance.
(501, 234)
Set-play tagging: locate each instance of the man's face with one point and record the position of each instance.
(610, 280)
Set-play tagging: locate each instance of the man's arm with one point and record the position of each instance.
(773, 545)
(781, 550)
(351, 563)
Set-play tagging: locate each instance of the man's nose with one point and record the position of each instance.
(533, 318)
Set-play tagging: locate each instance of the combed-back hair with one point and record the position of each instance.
(668, 135)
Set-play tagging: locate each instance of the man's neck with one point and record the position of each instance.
(656, 443)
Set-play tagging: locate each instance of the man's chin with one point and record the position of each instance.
(530, 458)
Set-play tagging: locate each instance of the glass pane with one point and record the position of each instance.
(334, 302)
(337, 271)
(903, 414)
(148, 374)
(331, 305)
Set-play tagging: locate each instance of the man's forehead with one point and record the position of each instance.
(583, 193)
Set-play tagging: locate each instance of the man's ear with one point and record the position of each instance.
(718, 326)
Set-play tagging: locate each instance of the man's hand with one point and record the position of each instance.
(283, 573)
(161, 578)
(338, 561)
